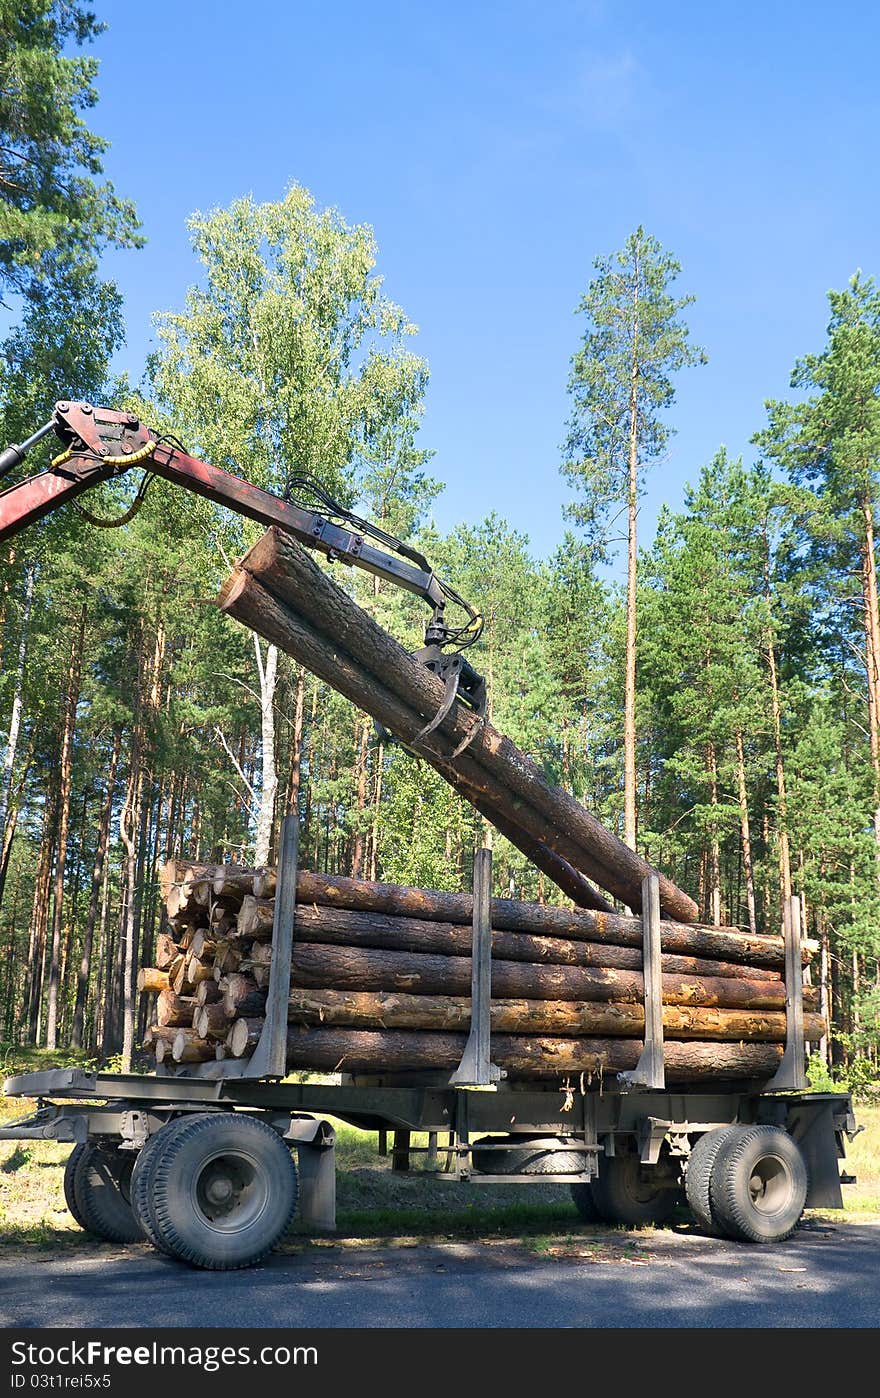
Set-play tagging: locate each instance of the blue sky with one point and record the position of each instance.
(497, 149)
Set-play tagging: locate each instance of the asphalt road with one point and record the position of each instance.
(827, 1275)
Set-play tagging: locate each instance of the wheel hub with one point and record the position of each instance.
(770, 1184)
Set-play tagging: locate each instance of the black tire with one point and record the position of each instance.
(758, 1185)
(582, 1194)
(101, 1183)
(526, 1155)
(223, 1190)
(624, 1192)
(141, 1185)
(69, 1193)
(699, 1173)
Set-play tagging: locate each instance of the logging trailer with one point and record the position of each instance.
(200, 1159)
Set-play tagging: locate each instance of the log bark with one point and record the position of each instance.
(166, 950)
(348, 968)
(341, 927)
(285, 568)
(386, 1010)
(174, 1009)
(537, 919)
(251, 604)
(395, 1051)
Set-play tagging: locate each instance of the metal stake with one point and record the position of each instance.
(269, 1059)
(476, 1068)
(649, 1071)
(791, 1075)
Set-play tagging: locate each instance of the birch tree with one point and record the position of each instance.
(287, 361)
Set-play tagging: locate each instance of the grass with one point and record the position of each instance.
(375, 1205)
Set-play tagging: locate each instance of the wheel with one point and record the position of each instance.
(141, 1184)
(625, 1191)
(101, 1180)
(699, 1171)
(527, 1155)
(69, 1195)
(582, 1194)
(758, 1185)
(223, 1190)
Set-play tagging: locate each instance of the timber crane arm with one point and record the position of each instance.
(99, 444)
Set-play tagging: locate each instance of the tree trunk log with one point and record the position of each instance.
(285, 568)
(394, 1051)
(247, 601)
(348, 968)
(340, 927)
(150, 978)
(386, 1010)
(537, 919)
(174, 1009)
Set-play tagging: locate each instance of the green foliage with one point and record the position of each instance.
(53, 212)
(620, 380)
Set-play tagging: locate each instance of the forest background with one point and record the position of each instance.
(714, 696)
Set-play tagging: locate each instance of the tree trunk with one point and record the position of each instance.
(745, 833)
(17, 701)
(245, 598)
(629, 695)
(64, 778)
(341, 1050)
(340, 927)
(268, 675)
(346, 968)
(776, 710)
(82, 982)
(292, 576)
(386, 1010)
(872, 654)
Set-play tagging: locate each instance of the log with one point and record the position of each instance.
(202, 946)
(249, 603)
(174, 1009)
(538, 919)
(211, 1021)
(256, 917)
(395, 1051)
(152, 979)
(341, 927)
(189, 1048)
(386, 1010)
(231, 882)
(347, 968)
(198, 971)
(208, 993)
(264, 883)
(241, 995)
(285, 568)
(166, 950)
(243, 1037)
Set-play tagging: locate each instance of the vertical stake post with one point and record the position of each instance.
(650, 1071)
(476, 1068)
(791, 1075)
(269, 1059)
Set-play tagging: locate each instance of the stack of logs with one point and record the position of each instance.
(381, 979)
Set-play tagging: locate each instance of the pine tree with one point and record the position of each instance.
(621, 385)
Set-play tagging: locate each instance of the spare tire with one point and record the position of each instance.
(528, 1155)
